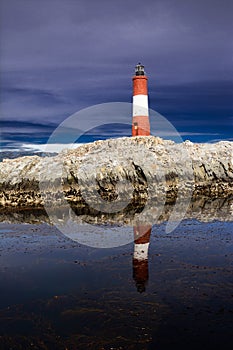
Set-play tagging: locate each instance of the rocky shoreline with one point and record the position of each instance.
(127, 171)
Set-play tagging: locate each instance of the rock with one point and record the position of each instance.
(119, 170)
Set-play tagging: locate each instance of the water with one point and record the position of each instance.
(60, 294)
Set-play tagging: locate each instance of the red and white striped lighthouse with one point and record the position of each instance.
(141, 123)
(142, 234)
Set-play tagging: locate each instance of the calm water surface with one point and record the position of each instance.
(59, 294)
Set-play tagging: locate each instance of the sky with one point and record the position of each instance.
(58, 57)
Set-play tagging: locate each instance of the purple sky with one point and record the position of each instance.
(58, 56)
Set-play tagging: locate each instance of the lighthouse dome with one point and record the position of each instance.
(139, 69)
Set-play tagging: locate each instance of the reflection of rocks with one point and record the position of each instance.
(202, 209)
(122, 169)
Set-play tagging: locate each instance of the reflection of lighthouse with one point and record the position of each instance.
(140, 257)
(141, 124)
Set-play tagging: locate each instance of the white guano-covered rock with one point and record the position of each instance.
(152, 166)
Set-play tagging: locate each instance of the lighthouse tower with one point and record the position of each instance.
(140, 256)
(141, 123)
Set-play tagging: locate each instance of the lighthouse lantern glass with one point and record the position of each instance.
(139, 69)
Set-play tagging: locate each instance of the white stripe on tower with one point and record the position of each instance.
(141, 251)
(141, 241)
(140, 105)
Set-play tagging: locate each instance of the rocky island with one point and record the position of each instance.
(124, 170)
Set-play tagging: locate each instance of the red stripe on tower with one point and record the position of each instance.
(141, 123)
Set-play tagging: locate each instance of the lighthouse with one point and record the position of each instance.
(140, 123)
(142, 234)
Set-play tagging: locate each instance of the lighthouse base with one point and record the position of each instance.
(141, 126)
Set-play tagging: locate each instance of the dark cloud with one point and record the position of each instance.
(60, 56)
